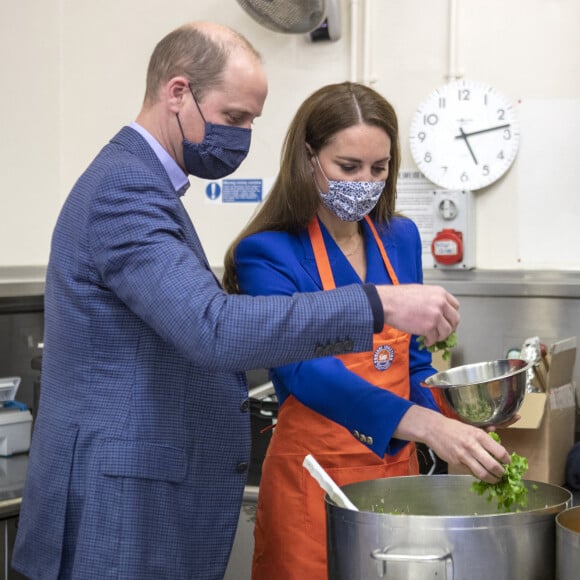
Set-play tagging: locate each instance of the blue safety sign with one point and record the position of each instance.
(242, 190)
(213, 190)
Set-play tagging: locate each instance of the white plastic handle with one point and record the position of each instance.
(327, 483)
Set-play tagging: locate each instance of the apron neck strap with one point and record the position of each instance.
(321, 255)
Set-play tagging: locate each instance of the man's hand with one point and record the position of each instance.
(428, 311)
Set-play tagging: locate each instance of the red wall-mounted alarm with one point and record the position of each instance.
(447, 247)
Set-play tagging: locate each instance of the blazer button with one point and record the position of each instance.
(356, 434)
(245, 406)
(370, 440)
(242, 467)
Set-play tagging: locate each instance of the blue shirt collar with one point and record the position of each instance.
(178, 178)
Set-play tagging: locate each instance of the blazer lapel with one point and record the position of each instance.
(134, 142)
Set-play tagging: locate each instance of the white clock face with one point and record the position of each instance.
(464, 136)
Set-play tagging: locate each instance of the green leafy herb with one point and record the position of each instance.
(478, 412)
(444, 345)
(510, 491)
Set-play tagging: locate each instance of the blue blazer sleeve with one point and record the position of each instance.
(276, 262)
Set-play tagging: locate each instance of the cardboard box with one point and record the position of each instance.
(546, 431)
(438, 362)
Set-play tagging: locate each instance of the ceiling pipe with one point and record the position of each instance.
(354, 40)
(452, 68)
(367, 78)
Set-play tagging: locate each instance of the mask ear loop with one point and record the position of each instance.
(180, 127)
(323, 175)
(312, 154)
(196, 103)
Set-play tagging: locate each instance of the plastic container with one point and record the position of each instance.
(15, 420)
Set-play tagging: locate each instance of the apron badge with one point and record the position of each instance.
(383, 357)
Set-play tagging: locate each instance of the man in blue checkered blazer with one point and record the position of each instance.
(142, 441)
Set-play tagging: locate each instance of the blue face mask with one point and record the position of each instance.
(221, 151)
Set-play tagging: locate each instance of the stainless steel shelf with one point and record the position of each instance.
(529, 283)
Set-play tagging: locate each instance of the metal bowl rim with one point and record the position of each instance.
(573, 512)
(509, 374)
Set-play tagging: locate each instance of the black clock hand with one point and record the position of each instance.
(464, 135)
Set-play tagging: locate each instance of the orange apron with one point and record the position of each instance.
(290, 531)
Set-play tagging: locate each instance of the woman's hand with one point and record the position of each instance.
(455, 442)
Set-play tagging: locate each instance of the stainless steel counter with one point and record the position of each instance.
(12, 476)
(22, 289)
(21, 280)
(29, 280)
(533, 283)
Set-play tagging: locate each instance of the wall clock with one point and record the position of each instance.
(465, 135)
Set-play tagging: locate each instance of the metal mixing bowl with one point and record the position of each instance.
(482, 394)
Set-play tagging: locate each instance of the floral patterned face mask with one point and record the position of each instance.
(351, 201)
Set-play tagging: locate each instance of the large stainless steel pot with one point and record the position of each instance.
(420, 527)
(568, 544)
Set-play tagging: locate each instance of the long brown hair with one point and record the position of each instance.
(294, 199)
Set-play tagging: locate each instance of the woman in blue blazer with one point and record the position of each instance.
(329, 222)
